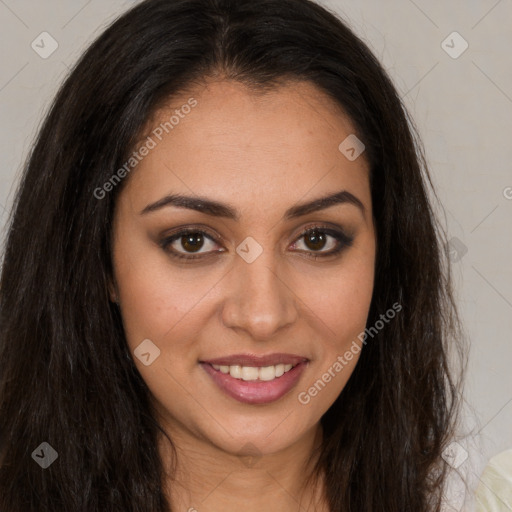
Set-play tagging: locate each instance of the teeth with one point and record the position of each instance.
(249, 373)
(235, 371)
(279, 370)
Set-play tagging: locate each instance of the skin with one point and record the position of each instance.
(261, 154)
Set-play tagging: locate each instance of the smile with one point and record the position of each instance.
(255, 385)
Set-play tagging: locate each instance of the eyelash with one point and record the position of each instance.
(342, 238)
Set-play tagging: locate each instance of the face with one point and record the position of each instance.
(259, 282)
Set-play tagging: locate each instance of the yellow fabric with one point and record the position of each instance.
(494, 492)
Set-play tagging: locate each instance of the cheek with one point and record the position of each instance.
(157, 305)
(341, 304)
(157, 300)
(341, 296)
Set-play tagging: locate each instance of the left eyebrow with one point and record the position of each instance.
(217, 209)
(322, 203)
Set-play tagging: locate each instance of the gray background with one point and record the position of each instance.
(462, 107)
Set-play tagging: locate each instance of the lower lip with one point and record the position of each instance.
(256, 391)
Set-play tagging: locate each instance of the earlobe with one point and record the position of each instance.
(112, 291)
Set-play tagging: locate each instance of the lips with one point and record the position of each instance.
(255, 392)
(257, 361)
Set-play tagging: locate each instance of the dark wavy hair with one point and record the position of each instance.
(66, 374)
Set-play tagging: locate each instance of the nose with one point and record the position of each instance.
(259, 300)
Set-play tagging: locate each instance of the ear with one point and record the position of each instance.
(112, 291)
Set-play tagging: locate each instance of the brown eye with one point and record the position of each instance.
(190, 244)
(192, 241)
(187, 242)
(315, 240)
(322, 242)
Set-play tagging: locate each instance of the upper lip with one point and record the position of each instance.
(257, 361)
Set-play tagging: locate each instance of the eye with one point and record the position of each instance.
(195, 243)
(317, 238)
(191, 241)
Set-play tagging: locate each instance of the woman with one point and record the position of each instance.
(224, 284)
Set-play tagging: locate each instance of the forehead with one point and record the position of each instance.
(238, 144)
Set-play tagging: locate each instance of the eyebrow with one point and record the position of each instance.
(217, 209)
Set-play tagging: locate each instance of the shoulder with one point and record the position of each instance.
(494, 492)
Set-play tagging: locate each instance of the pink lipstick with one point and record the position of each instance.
(255, 379)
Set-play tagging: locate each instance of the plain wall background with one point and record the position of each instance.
(462, 107)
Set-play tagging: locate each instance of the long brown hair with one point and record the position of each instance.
(66, 375)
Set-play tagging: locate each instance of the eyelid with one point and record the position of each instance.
(342, 237)
(328, 228)
(183, 230)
